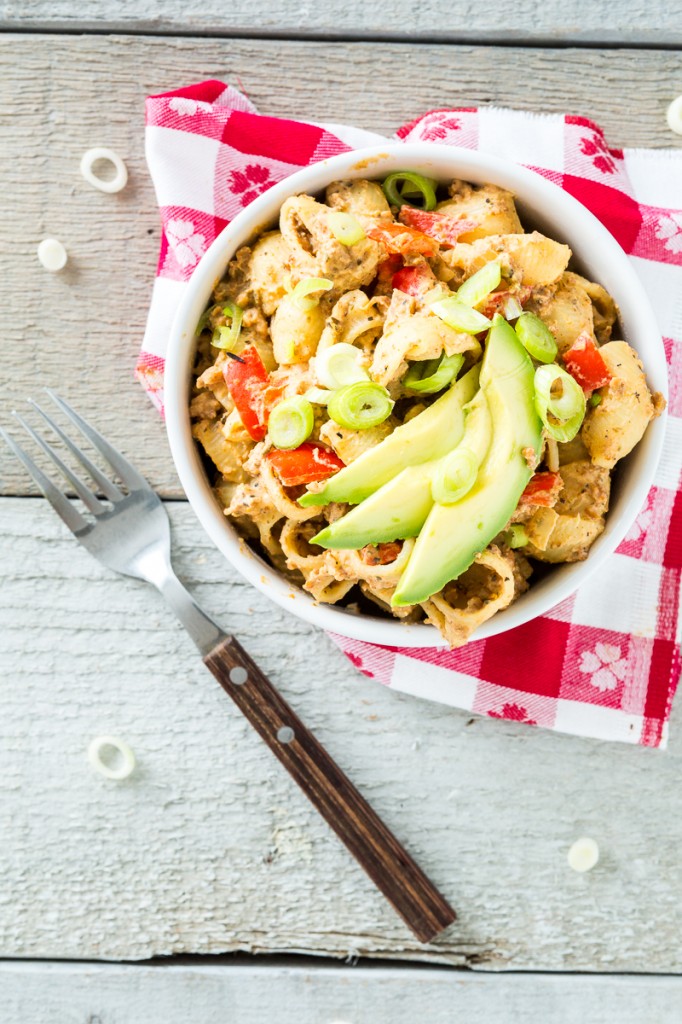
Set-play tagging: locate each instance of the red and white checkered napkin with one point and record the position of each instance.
(605, 662)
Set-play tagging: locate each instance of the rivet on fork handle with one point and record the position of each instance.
(400, 879)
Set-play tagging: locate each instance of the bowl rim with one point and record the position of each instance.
(530, 188)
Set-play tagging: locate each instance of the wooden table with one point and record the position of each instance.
(208, 848)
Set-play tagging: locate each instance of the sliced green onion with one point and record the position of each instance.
(339, 365)
(518, 538)
(479, 286)
(345, 228)
(536, 338)
(302, 292)
(119, 766)
(595, 400)
(460, 316)
(431, 375)
(564, 430)
(203, 321)
(291, 422)
(512, 308)
(318, 396)
(455, 476)
(226, 337)
(439, 291)
(424, 187)
(560, 402)
(361, 405)
(561, 392)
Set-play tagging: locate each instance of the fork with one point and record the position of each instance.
(129, 532)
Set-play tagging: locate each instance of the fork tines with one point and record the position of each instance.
(121, 467)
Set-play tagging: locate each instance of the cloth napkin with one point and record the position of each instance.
(604, 663)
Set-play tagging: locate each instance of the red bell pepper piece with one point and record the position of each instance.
(305, 464)
(415, 280)
(386, 269)
(272, 394)
(585, 364)
(381, 554)
(246, 380)
(442, 227)
(496, 300)
(543, 489)
(398, 238)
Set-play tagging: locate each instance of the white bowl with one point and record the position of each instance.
(542, 205)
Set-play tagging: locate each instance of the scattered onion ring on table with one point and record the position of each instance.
(407, 401)
(102, 154)
(118, 767)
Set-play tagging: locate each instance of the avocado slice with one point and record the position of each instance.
(453, 535)
(471, 452)
(427, 436)
(399, 508)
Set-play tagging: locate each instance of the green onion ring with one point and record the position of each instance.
(595, 400)
(455, 476)
(518, 537)
(203, 321)
(432, 375)
(345, 228)
(536, 338)
(563, 430)
(291, 422)
(361, 405)
(512, 308)
(339, 365)
(460, 316)
(122, 766)
(479, 286)
(562, 414)
(425, 187)
(226, 337)
(301, 293)
(318, 396)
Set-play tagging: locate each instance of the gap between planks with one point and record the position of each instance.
(245, 33)
(298, 993)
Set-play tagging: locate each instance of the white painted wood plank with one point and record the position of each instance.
(597, 21)
(81, 329)
(49, 993)
(209, 847)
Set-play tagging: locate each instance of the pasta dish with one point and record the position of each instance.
(408, 402)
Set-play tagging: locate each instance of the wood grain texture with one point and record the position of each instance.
(80, 330)
(598, 21)
(33, 993)
(209, 846)
(424, 910)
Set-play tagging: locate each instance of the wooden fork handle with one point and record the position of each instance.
(390, 867)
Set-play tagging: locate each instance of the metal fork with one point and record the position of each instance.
(129, 532)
